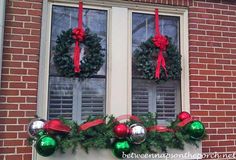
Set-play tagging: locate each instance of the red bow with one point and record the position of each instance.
(78, 34)
(160, 41)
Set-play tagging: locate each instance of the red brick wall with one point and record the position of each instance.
(18, 94)
(212, 36)
(212, 51)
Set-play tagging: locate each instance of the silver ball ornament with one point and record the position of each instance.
(35, 126)
(137, 133)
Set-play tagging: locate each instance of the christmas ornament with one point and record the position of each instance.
(183, 115)
(35, 126)
(121, 147)
(56, 126)
(137, 133)
(196, 129)
(46, 145)
(121, 130)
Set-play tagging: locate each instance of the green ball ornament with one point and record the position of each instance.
(121, 147)
(196, 130)
(46, 145)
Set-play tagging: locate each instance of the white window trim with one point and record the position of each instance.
(118, 89)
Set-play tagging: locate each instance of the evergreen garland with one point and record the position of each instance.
(145, 58)
(102, 136)
(91, 62)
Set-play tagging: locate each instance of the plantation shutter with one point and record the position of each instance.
(74, 99)
(60, 98)
(93, 98)
(160, 98)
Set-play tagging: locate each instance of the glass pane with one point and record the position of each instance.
(147, 96)
(70, 97)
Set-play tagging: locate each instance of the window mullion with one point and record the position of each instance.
(118, 65)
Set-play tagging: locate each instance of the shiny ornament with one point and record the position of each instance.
(35, 126)
(56, 126)
(196, 129)
(137, 133)
(121, 147)
(183, 115)
(46, 145)
(121, 130)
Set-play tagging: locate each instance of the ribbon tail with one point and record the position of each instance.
(163, 64)
(158, 67)
(77, 57)
(88, 125)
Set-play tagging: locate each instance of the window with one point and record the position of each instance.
(147, 96)
(69, 97)
(117, 88)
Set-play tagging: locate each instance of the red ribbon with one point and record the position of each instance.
(160, 129)
(161, 42)
(184, 122)
(88, 125)
(78, 35)
(56, 125)
(128, 116)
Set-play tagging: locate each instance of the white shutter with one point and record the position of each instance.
(140, 98)
(60, 98)
(93, 98)
(163, 98)
(166, 98)
(75, 99)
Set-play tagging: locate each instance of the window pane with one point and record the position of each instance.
(147, 96)
(70, 97)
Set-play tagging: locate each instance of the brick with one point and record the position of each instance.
(14, 157)
(13, 142)
(24, 149)
(16, 113)
(15, 128)
(20, 31)
(15, 99)
(17, 85)
(7, 150)
(19, 44)
(9, 92)
(216, 102)
(22, 4)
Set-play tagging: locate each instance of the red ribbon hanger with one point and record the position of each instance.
(161, 42)
(78, 35)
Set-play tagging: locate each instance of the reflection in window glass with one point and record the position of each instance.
(70, 97)
(147, 96)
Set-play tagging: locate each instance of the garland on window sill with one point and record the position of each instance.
(138, 134)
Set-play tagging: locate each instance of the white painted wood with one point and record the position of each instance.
(107, 154)
(118, 62)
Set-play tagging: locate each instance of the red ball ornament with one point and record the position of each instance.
(183, 115)
(121, 130)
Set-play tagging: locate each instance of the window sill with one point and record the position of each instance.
(189, 150)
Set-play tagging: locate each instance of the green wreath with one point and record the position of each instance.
(91, 62)
(145, 59)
